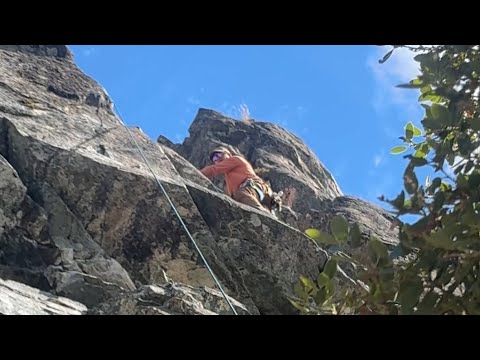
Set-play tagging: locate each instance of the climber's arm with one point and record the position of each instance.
(220, 168)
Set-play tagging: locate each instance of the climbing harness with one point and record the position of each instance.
(176, 212)
(272, 201)
(251, 183)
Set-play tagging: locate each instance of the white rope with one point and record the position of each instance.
(176, 212)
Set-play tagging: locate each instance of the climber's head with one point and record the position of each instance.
(220, 154)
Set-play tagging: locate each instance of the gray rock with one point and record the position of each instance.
(268, 254)
(13, 192)
(59, 51)
(371, 219)
(170, 299)
(81, 287)
(20, 299)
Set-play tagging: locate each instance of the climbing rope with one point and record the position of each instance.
(175, 210)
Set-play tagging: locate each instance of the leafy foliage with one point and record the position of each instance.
(435, 267)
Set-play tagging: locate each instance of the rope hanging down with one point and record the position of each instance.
(176, 212)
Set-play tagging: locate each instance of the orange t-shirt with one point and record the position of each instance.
(236, 170)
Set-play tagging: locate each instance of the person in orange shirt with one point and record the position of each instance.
(242, 184)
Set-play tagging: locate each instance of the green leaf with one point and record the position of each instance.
(419, 154)
(445, 186)
(331, 268)
(462, 182)
(444, 277)
(320, 236)
(440, 239)
(474, 180)
(426, 89)
(330, 288)
(413, 130)
(339, 227)
(325, 284)
(322, 280)
(355, 236)
(418, 227)
(378, 251)
(438, 201)
(297, 305)
(440, 114)
(410, 85)
(431, 143)
(429, 260)
(410, 180)
(398, 149)
(475, 124)
(475, 66)
(313, 233)
(464, 145)
(409, 131)
(470, 216)
(430, 123)
(399, 200)
(405, 86)
(447, 143)
(307, 283)
(431, 96)
(449, 304)
(410, 290)
(427, 304)
(385, 58)
(320, 297)
(417, 131)
(300, 291)
(436, 183)
(425, 147)
(407, 204)
(376, 292)
(424, 59)
(416, 82)
(418, 162)
(462, 271)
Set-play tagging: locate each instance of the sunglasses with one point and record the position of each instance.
(217, 156)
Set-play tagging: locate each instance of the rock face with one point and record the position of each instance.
(372, 219)
(59, 51)
(167, 299)
(170, 299)
(83, 217)
(20, 299)
(311, 193)
(276, 154)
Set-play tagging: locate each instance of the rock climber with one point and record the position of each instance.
(242, 183)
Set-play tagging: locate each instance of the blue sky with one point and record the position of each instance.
(338, 99)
